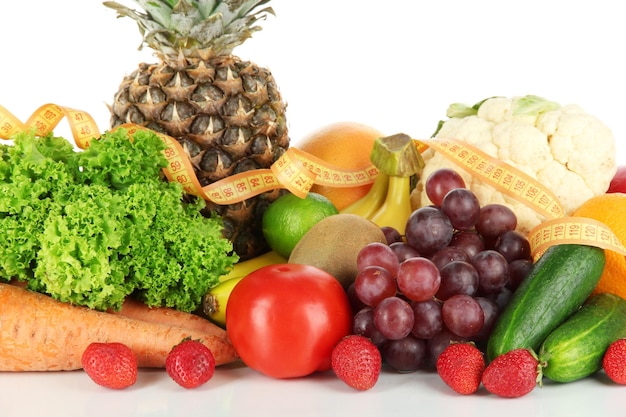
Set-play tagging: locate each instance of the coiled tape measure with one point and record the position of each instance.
(297, 171)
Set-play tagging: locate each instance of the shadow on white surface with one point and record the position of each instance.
(238, 391)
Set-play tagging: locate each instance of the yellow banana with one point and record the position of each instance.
(397, 156)
(396, 208)
(214, 302)
(368, 204)
(243, 268)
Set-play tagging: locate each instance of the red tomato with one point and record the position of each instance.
(618, 183)
(284, 320)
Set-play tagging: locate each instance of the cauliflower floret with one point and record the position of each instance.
(569, 151)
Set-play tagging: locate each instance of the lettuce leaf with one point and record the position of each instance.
(96, 226)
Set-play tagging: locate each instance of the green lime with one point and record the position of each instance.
(289, 217)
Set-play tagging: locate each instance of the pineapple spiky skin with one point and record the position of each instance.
(227, 113)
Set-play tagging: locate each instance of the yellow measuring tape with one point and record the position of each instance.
(46, 118)
(557, 229)
(505, 178)
(297, 171)
(576, 230)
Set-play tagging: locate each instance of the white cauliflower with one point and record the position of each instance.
(569, 151)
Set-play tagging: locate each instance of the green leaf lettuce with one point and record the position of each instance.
(94, 227)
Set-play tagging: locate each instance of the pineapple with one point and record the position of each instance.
(227, 113)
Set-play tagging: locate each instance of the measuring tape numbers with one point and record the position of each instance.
(502, 176)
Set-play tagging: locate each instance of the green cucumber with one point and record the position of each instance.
(558, 284)
(575, 349)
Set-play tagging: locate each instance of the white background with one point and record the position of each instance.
(393, 64)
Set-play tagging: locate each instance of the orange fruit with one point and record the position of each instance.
(609, 209)
(345, 145)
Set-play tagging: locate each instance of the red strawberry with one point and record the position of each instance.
(357, 362)
(112, 365)
(513, 374)
(461, 366)
(190, 363)
(614, 361)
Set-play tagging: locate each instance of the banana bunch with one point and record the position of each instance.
(388, 202)
(214, 301)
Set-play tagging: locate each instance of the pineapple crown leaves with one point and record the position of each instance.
(194, 28)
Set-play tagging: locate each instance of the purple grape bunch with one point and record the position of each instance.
(445, 280)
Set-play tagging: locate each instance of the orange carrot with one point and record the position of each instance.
(38, 333)
(137, 310)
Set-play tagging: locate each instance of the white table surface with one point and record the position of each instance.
(238, 391)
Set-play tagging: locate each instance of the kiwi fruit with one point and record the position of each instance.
(333, 243)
